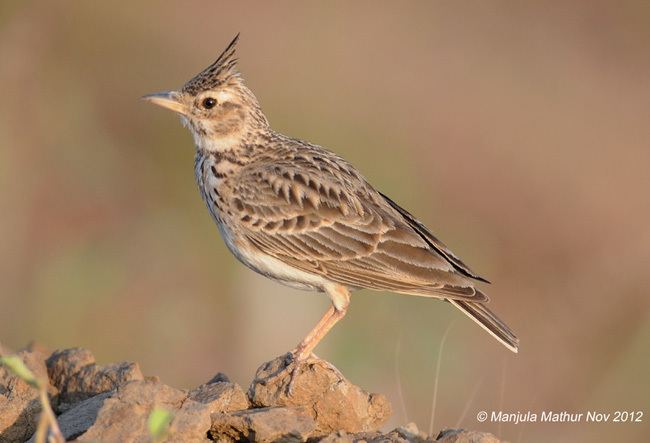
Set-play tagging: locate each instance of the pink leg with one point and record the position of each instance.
(340, 301)
(340, 297)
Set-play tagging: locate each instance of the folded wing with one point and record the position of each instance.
(331, 223)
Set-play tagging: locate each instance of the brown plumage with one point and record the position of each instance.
(300, 214)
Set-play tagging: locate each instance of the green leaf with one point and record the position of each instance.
(16, 365)
(158, 423)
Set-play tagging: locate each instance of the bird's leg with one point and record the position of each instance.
(340, 297)
(304, 348)
(297, 353)
(303, 351)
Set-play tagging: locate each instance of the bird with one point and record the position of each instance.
(303, 216)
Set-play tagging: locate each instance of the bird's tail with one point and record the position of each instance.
(488, 321)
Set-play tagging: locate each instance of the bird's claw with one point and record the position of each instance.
(292, 368)
(293, 363)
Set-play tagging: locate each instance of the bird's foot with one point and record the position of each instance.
(293, 363)
(291, 368)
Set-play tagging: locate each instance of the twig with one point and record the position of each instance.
(399, 380)
(435, 384)
(502, 393)
(41, 430)
(469, 403)
(55, 432)
(48, 428)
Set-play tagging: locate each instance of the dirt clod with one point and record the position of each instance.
(263, 425)
(463, 436)
(333, 402)
(77, 377)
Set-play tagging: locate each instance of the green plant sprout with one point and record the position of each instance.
(158, 424)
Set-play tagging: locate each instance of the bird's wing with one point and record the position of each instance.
(325, 222)
(433, 241)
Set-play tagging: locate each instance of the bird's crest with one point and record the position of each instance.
(219, 72)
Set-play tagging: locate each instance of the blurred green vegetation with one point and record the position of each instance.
(158, 424)
(518, 133)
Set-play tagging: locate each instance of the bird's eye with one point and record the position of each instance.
(209, 103)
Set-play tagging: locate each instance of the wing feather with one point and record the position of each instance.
(433, 241)
(325, 223)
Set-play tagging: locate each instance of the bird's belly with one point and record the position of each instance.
(269, 266)
(247, 254)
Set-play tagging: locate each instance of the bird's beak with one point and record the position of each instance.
(168, 99)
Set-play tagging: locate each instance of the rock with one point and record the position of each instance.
(19, 405)
(403, 434)
(410, 434)
(338, 437)
(463, 436)
(113, 403)
(76, 420)
(193, 420)
(263, 425)
(77, 377)
(220, 394)
(121, 415)
(333, 402)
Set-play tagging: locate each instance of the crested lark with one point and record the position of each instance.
(303, 216)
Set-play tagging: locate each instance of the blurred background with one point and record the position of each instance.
(518, 133)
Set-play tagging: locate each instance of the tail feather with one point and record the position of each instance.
(489, 321)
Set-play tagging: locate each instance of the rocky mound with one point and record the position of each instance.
(112, 404)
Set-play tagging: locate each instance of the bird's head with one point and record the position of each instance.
(220, 111)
